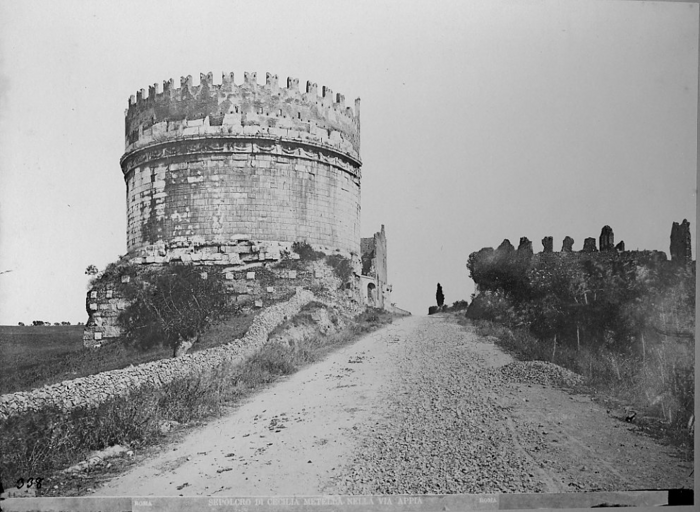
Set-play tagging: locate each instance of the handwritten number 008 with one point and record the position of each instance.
(30, 482)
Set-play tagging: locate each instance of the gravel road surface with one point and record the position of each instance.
(423, 405)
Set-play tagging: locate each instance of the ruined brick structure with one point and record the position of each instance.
(567, 244)
(374, 286)
(232, 175)
(548, 244)
(681, 250)
(589, 245)
(524, 250)
(606, 240)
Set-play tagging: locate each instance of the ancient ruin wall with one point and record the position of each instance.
(376, 290)
(207, 163)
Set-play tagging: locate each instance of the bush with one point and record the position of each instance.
(306, 252)
(342, 267)
(458, 305)
(113, 273)
(172, 305)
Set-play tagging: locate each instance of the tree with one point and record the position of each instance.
(21, 324)
(439, 296)
(91, 270)
(173, 307)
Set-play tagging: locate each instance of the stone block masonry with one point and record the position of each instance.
(206, 162)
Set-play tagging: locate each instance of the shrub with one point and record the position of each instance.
(458, 305)
(113, 273)
(342, 267)
(172, 305)
(306, 252)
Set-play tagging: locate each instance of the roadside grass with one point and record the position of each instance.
(25, 350)
(659, 388)
(35, 356)
(41, 444)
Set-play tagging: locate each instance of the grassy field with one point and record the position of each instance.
(25, 349)
(35, 356)
(51, 440)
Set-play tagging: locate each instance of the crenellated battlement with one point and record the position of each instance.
(249, 109)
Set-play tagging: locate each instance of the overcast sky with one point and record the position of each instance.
(481, 120)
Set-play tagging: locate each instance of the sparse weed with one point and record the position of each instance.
(306, 252)
(659, 386)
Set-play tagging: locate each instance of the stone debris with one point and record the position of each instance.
(440, 431)
(98, 457)
(167, 425)
(540, 372)
(589, 245)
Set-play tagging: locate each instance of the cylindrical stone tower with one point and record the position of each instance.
(208, 165)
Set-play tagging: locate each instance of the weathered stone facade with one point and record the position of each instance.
(204, 164)
(374, 281)
(548, 244)
(606, 241)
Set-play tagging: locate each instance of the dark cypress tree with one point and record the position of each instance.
(439, 296)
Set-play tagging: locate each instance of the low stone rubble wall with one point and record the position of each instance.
(95, 389)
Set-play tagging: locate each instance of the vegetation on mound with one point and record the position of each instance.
(45, 442)
(620, 300)
(342, 266)
(625, 321)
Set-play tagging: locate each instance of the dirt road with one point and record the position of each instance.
(415, 407)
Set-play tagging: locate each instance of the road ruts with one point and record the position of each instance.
(442, 430)
(450, 421)
(419, 406)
